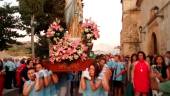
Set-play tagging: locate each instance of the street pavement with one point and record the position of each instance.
(11, 92)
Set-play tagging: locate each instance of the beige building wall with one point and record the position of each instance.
(130, 34)
(154, 36)
(158, 26)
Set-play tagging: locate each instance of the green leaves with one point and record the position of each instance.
(45, 11)
(8, 25)
(30, 7)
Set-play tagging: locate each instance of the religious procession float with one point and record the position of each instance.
(70, 54)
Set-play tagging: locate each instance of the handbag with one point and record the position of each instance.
(154, 84)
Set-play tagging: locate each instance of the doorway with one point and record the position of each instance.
(154, 47)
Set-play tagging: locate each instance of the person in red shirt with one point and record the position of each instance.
(20, 68)
(2, 73)
(141, 75)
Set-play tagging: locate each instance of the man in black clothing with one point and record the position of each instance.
(24, 76)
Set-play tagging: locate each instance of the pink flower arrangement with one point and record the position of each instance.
(55, 31)
(67, 50)
(90, 30)
(64, 49)
(55, 26)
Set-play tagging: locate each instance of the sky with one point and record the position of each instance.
(107, 14)
(13, 2)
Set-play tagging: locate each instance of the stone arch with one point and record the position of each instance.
(153, 37)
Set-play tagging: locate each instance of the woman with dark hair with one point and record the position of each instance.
(149, 60)
(104, 75)
(85, 80)
(161, 68)
(34, 86)
(160, 73)
(49, 80)
(141, 75)
(165, 86)
(92, 86)
(133, 59)
(2, 73)
(101, 62)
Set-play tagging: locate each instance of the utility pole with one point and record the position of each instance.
(32, 36)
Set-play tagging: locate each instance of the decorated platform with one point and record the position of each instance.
(67, 53)
(76, 66)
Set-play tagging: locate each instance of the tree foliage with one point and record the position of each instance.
(42, 48)
(8, 25)
(45, 11)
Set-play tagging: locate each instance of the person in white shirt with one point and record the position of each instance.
(10, 72)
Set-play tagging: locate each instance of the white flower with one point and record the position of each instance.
(57, 20)
(61, 29)
(86, 30)
(79, 52)
(76, 56)
(89, 44)
(55, 39)
(56, 54)
(54, 48)
(53, 32)
(70, 58)
(89, 36)
(42, 33)
(57, 59)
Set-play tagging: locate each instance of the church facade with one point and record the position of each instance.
(145, 26)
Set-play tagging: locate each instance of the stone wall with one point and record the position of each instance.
(129, 34)
(159, 26)
(152, 26)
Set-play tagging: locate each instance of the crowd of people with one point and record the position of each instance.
(110, 75)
